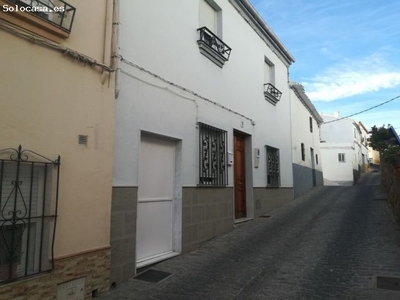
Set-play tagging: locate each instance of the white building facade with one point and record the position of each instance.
(365, 157)
(202, 137)
(342, 150)
(305, 124)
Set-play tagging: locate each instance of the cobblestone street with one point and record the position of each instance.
(330, 244)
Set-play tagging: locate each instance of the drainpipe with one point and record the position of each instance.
(107, 40)
(114, 46)
(291, 131)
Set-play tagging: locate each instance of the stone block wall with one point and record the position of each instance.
(123, 233)
(206, 213)
(303, 179)
(94, 266)
(267, 199)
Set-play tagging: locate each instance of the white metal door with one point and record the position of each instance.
(155, 198)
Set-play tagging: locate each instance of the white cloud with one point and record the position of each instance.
(355, 78)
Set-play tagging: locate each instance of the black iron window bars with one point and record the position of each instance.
(208, 38)
(212, 164)
(273, 167)
(28, 212)
(56, 12)
(271, 93)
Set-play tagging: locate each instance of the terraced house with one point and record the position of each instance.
(344, 150)
(306, 125)
(202, 134)
(168, 120)
(56, 141)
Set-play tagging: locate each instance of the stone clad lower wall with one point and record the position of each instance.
(206, 213)
(303, 179)
(267, 199)
(94, 266)
(123, 233)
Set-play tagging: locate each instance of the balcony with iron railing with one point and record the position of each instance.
(55, 12)
(213, 47)
(271, 93)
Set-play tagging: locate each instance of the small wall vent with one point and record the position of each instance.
(82, 140)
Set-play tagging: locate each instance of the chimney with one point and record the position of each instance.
(336, 114)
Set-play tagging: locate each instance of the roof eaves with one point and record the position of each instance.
(395, 134)
(301, 94)
(266, 31)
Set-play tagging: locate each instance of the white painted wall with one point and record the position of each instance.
(301, 133)
(338, 131)
(342, 136)
(334, 171)
(162, 37)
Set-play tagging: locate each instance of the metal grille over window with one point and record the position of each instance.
(213, 47)
(303, 152)
(213, 170)
(273, 167)
(56, 12)
(28, 212)
(271, 93)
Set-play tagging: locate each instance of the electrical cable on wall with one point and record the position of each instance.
(46, 43)
(177, 86)
(363, 111)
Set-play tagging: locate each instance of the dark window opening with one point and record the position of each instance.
(273, 167)
(212, 164)
(303, 152)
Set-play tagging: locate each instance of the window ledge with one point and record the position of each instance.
(211, 186)
(271, 93)
(271, 99)
(210, 54)
(213, 47)
(32, 24)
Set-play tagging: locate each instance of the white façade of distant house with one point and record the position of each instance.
(202, 137)
(342, 150)
(305, 124)
(365, 157)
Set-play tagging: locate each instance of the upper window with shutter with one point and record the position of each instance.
(210, 40)
(208, 16)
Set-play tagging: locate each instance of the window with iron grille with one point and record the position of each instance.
(311, 125)
(56, 12)
(303, 152)
(28, 211)
(341, 157)
(273, 167)
(212, 164)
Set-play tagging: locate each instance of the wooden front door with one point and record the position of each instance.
(239, 176)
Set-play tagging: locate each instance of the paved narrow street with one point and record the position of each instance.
(331, 244)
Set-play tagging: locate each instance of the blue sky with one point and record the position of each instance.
(347, 53)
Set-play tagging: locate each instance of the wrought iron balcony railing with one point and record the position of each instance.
(213, 47)
(271, 93)
(55, 12)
